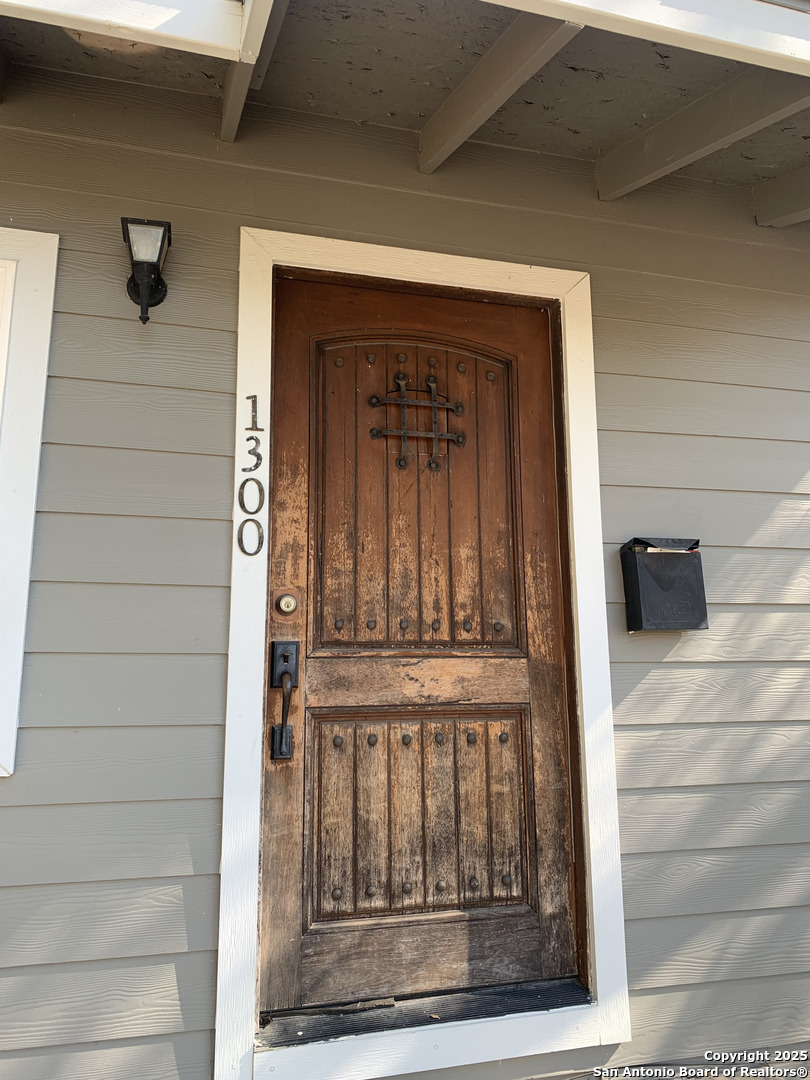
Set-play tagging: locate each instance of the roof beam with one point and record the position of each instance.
(268, 46)
(209, 27)
(237, 84)
(784, 201)
(261, 26)
(754, 100)
(259, 19)
(768, 35)
(524, 47)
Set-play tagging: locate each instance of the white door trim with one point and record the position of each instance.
(27, 281)
(363, 1057)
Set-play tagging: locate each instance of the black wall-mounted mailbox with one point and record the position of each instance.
(663, 584)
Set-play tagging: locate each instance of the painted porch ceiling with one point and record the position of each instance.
(394, 62)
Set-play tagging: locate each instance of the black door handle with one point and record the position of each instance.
(283, 673)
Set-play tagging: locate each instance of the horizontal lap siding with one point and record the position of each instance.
(113, 817)
(109, 848)
(178, 1056)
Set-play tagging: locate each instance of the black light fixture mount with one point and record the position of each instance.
(147, 243)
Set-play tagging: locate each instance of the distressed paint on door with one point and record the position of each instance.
(415, 843)
(400, 549)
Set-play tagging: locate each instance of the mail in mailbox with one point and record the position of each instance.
(663, 584)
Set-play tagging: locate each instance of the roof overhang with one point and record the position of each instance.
(752, 31)
(209, 27)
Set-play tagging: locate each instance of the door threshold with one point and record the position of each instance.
(308, 1025)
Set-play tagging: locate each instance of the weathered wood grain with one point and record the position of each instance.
(414, 680)
(630, 403)
(477, 949)
(337, 487)
(725, 518)
(90, 413)
(475, 855)
(126, 764)
(101, 480)
(441, 815)
(437, 544)
(67, 617)
(505, 766)
(353, 837)
(467, 554)
(660, 460)
(372, 812)
(738, 753)
(178, 1056)
(134, 550)
(407, 817)
(627, 347)
(53, 924)
(107, 999)
(402, 524)
(282, 895)
(493, 389)
(699, 882)
(110, 841)
(371, 548)
(691, 693)
(158, 354)
(761, 632)
(335, 822)
(707, 948)
(732, 815)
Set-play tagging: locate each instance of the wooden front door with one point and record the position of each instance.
(420, 839)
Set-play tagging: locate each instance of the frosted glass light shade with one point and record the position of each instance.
(146, 241)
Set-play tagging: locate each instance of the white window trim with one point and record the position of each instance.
(362, 1057)
(27, 282)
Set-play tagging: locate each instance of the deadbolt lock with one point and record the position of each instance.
(286, 604)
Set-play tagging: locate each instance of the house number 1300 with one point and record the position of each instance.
(251, 490)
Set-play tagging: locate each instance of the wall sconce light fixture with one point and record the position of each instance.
(147, 243)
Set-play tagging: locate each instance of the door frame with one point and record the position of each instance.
(375, 1055)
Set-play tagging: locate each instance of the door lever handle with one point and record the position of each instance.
(284, 673)
(281, 748)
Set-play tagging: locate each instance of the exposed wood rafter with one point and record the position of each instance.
(784, 201)
(237, 85)
(525, 46)
(260, 29)
(754, 100)
(267, 48)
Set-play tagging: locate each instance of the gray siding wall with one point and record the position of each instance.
(109, 831)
